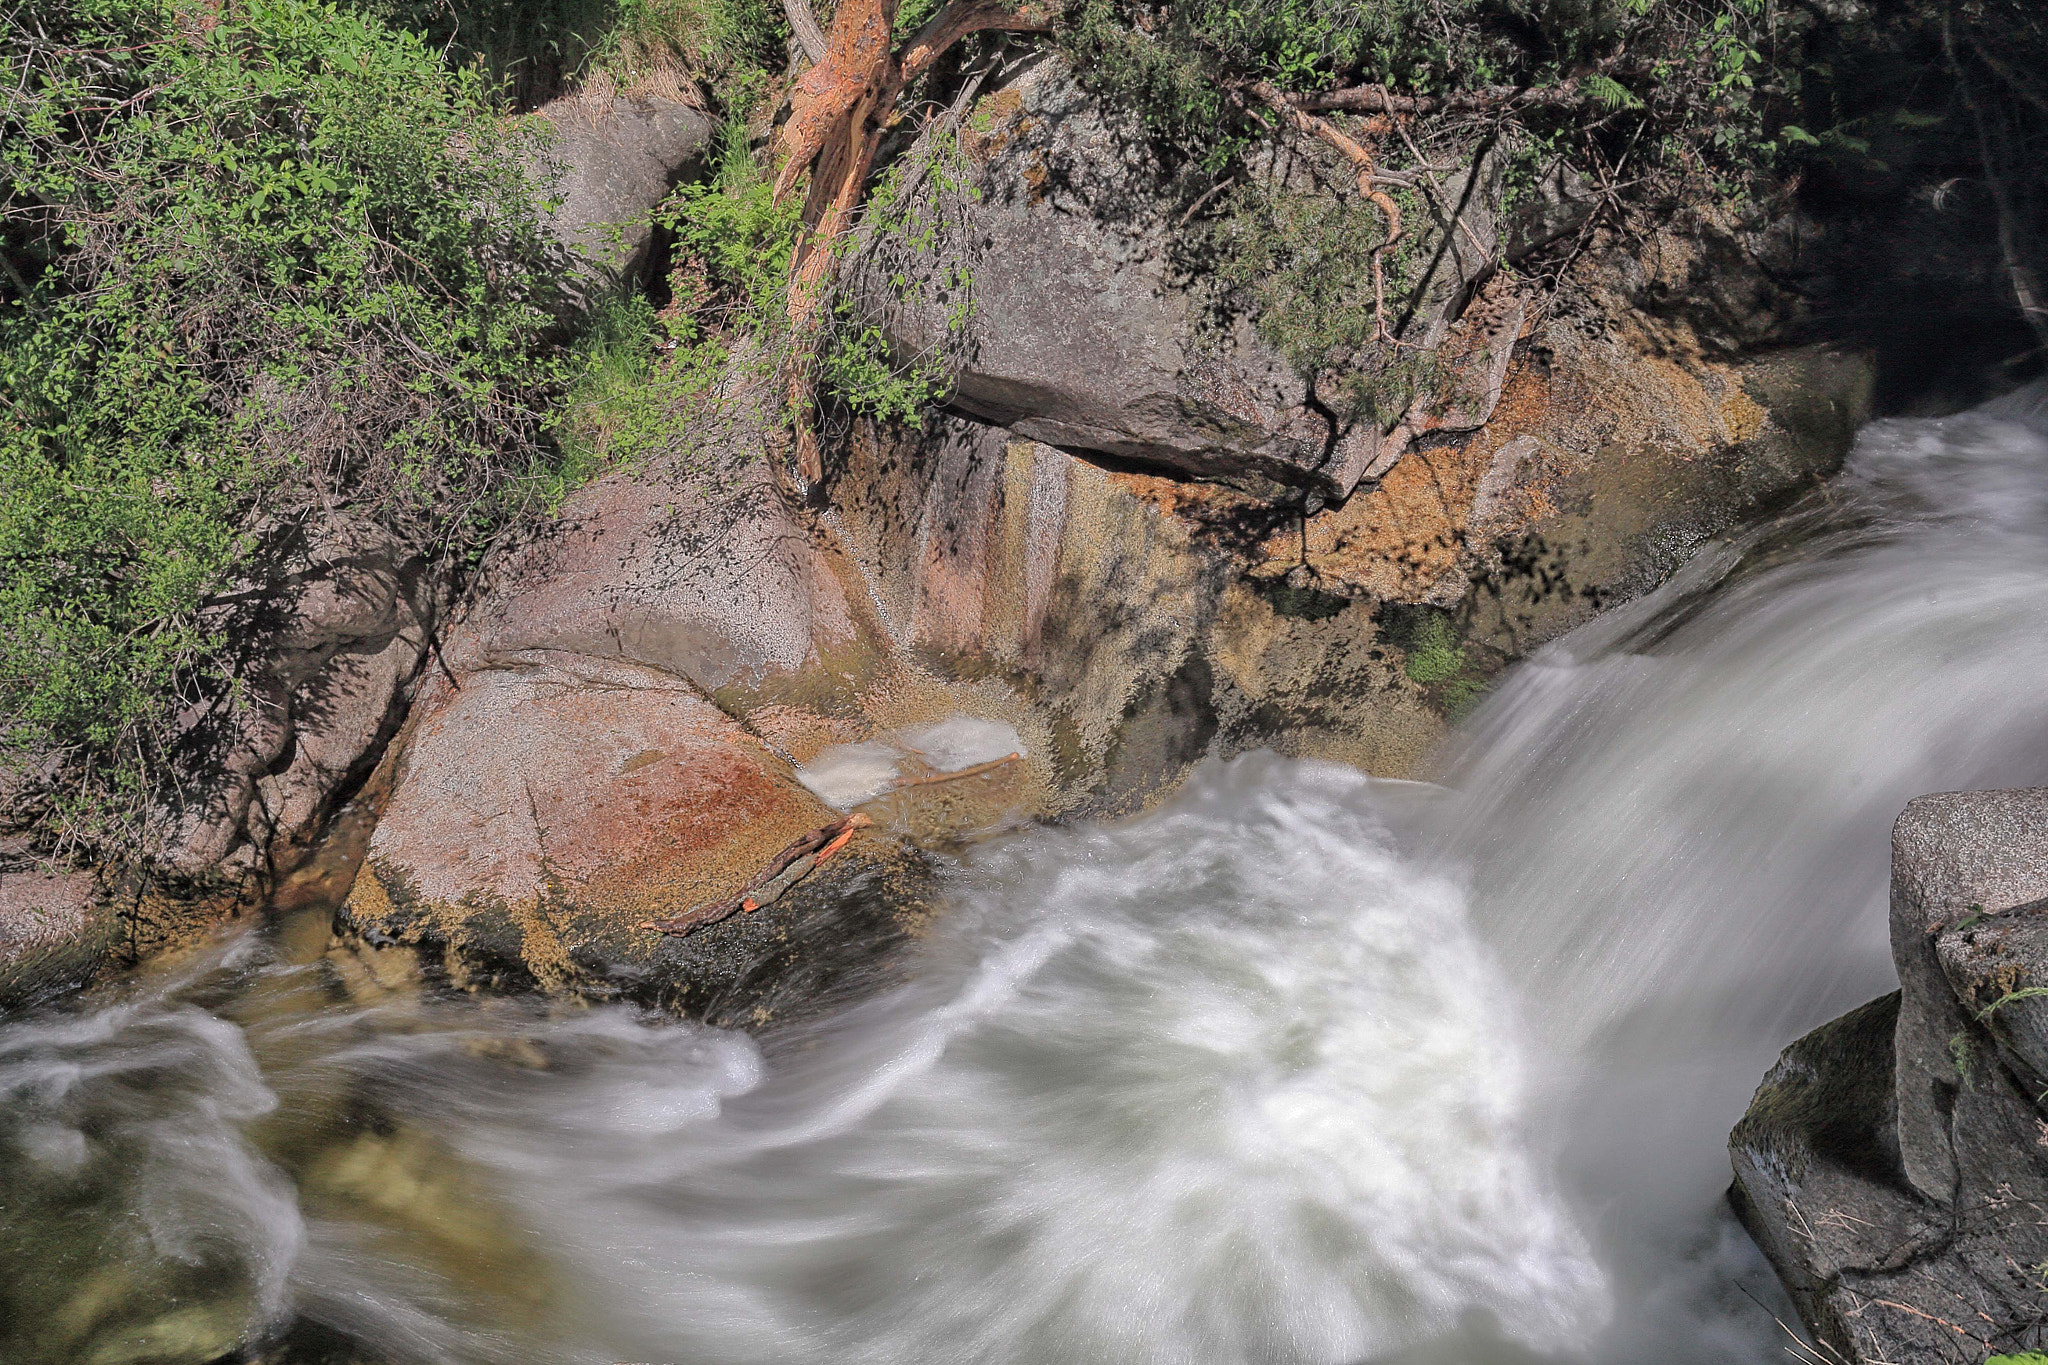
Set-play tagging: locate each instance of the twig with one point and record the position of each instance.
(958, 773)
(803, 856)
(1361, 162)
(1206, 196)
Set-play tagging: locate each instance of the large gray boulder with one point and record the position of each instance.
(618, 157)
(1041, 262)
(1894, 1164)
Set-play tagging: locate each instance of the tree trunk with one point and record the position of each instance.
(838, 112)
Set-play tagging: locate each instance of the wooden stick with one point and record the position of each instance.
(817, 845)
(954, 776)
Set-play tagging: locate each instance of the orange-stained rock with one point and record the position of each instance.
(573, 799)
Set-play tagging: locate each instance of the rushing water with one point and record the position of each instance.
(1306, 1067)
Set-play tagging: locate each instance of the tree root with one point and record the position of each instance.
(1369, 181)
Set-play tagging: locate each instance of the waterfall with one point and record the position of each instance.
(1305, 1066)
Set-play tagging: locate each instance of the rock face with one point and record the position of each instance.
(1127, 541)
(1131, 540)
(636, 699)
(620, 155)
(1043, 263)
(571, 777)
(1894, 1164)
(633, 701)
(55, 930)
(334, 644)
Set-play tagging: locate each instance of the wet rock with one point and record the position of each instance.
(611, 743)
(1114, 611)
(1954, 855)
(543, 813)
(55, 930)
(1894, 1165)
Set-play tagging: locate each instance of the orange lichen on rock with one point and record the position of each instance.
(608, 795)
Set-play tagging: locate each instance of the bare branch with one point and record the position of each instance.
(804, 24)
(961, 18)
(1361, 162)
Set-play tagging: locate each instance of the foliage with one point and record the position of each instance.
(733, 245)
(272, 266)
(913, 250)
(626, 384)
(2011, 997)
(716, 40)
(535, 48)
(1436, 657)
(1684, 84)
(733, 250)
(1300, 265)
(912, 15)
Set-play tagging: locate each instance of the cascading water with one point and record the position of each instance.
(1307, 1067)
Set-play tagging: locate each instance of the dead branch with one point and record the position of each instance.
(784, 870)
(961, 18)
(1368, 185)
(1377, 99)
(810, 39)
(975, 771)
(838, 114)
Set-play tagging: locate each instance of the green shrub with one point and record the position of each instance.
(534, 49)
(732, 250)
(714, 40)
(271, 265)
(623, 393)
(1693, 86)
(1436, 658)
(1301, 266)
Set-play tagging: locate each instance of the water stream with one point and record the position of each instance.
(1304, 1067)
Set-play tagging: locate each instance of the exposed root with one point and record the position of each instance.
(838, 113)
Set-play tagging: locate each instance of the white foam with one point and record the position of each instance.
(1229, 1084)
(844, 775)
(962, 741)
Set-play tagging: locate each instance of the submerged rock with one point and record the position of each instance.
(1894, 1164)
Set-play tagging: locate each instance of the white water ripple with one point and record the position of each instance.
(1231, 1083)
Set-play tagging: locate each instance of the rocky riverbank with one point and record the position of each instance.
(1129, 542)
